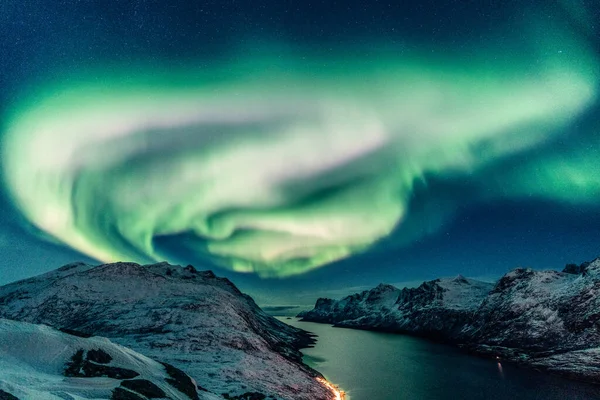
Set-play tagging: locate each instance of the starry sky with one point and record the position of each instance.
(300, 148)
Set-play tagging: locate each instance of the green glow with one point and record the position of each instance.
(279, 167)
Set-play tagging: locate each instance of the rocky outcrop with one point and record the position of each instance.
(546, 319)
(81, 366)
(189, 319)
(7, 396)
(37, 361)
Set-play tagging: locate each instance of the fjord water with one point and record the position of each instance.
(382, 366)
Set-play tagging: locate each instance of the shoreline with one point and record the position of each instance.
(502, 354)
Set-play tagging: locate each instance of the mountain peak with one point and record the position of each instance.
(384, 287)
(461, 279)
(188, 318)
(120, 268)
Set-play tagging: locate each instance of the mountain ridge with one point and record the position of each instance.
(548, 319)
(194, 320)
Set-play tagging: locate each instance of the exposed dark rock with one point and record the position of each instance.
(182, 382)
(7, 396)
(576, 269)
(208, 274)
(513, 278)
(80, 368)
(99, 356)
(122, 394)
(92, 370)
(75, 333)
(144, 387)
(72, 367)
(190, 268)
(572, 269)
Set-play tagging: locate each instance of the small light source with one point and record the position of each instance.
(339, 395)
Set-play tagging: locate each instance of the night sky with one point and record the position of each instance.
(300, 148)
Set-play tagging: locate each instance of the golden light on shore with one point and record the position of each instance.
(339, 394)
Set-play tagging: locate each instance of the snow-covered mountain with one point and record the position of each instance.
(437, 308)
(39, 362)
(546, 319)
(192, 320)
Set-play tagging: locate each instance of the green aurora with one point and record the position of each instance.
(279, 165)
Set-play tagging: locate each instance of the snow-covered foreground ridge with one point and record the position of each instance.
(39, 362)
(546, 319)
(198, 323)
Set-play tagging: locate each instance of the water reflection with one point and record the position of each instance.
(378, 366)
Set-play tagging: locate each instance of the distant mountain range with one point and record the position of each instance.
(127, 331)
(548, 320)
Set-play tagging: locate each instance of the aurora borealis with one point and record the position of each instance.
(283, 158)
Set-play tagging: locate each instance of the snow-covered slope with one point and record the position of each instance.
(437, 308)
(39, 362)
(546, 319)
(193, 320)
(538, 310)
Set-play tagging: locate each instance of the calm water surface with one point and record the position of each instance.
(381, 366)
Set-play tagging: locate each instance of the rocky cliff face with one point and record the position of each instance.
(192, 320)
(546, 319)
